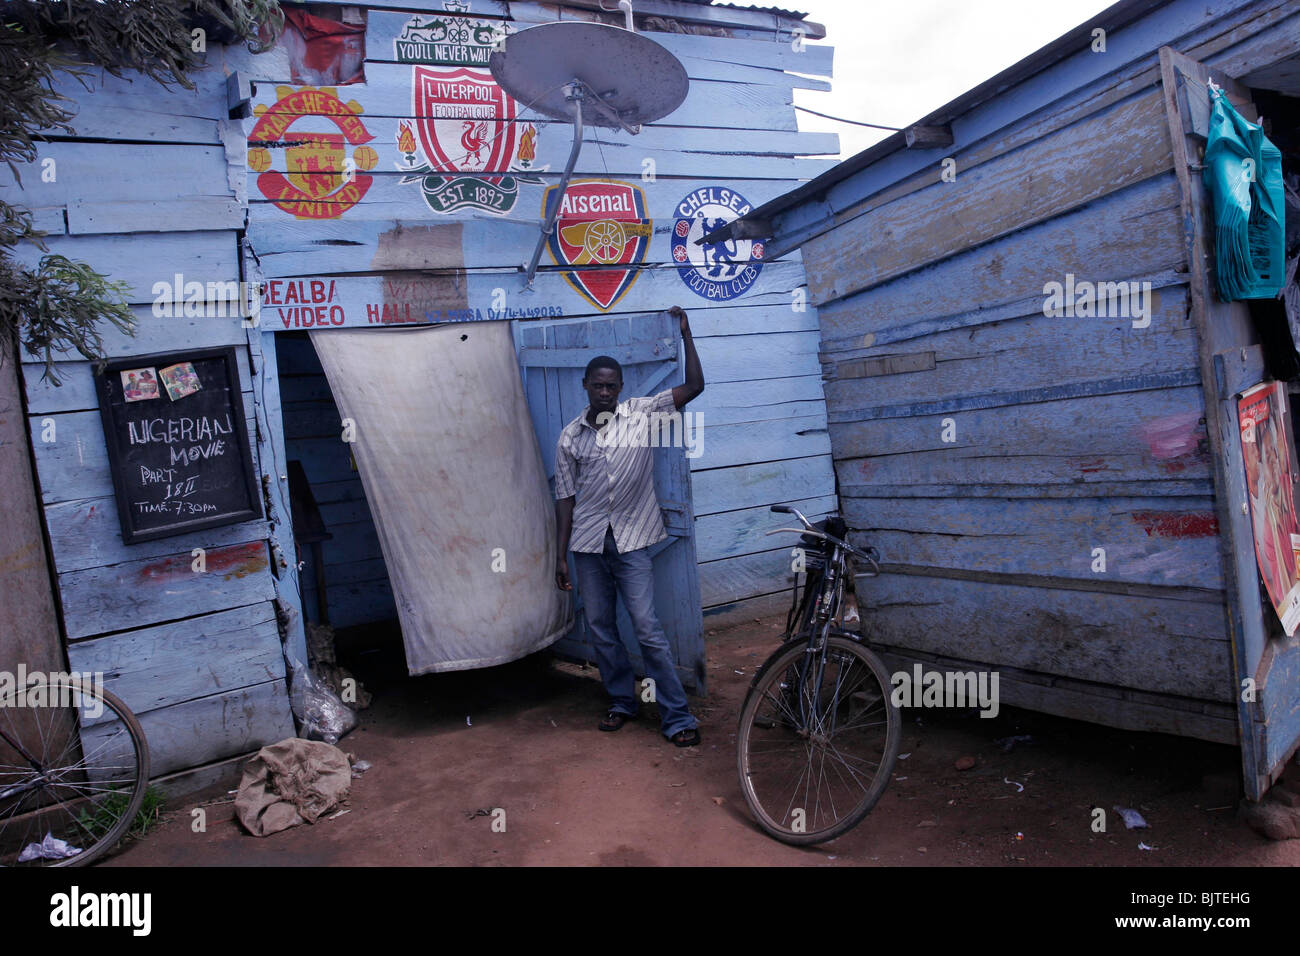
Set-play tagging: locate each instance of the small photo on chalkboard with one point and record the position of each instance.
(180, 465)
(139, 384)
(180, 379)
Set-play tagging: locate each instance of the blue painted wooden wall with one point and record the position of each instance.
(156, 182)
(764, 408)
(196, 655)
(990, 449)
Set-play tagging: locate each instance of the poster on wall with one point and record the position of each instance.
(1266, 450)
(181, 460)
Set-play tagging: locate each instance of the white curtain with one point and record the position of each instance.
(456, 485)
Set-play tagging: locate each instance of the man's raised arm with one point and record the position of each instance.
(694, 374)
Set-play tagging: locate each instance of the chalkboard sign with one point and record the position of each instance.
(177, 442)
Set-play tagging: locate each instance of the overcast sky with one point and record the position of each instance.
(896, 62)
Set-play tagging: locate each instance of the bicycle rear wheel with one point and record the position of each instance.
(74, 767)
(818, 740)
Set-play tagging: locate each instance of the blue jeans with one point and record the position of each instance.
(598, 574)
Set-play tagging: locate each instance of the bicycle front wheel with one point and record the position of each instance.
(818, 740)
(74, 767)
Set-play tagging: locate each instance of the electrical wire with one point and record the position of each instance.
(840, 119)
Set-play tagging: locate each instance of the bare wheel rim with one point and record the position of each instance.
(816, 749)
(74, 769)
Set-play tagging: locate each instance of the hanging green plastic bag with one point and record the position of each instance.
(1243, 172)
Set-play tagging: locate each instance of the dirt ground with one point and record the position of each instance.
(448, 749)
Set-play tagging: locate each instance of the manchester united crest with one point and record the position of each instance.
(319, 180)
(600, 223)
(473, 149)
(714, 270)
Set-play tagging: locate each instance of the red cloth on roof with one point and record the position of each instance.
(323, 52)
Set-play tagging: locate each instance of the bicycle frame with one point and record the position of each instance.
(825, 611)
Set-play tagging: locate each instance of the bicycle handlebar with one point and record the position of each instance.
(809, 529)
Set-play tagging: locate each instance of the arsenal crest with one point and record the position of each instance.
(320, 180)
(600, 223)
(714, 270)
(473, 147)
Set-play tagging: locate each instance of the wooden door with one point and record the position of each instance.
(552, 358)
(1266, 678)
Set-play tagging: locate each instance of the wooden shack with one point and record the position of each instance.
(1060, 496)
(315, 180)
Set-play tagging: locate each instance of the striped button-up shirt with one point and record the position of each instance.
(610, 472)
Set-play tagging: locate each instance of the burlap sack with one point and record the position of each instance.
(291, 782)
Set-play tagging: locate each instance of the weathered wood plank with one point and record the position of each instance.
(1095, 703)
(199, 731)
(1156, 437)
(1129, 233)
(387, 92)
(735, 533)
(190, 214)
(398, 298)
(760, 399)
(77, 393)
(116, 172)
(1119, 147)
(726, 16)
(162, 666)
(148, 259)
(87, 534)
(132, 89)
(392, 228)
(1170, 543)
(151, 590)
(269, 436)
(1089, 636)
(1033, 352)
(750, 486)
(744, 577)
(50, 219)
(388, 199)
(703, 60)
(1281, 712)
(722, 446)
(770, 355)
(1163, 425)
(882, 330)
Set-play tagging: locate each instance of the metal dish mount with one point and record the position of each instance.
(579, 72)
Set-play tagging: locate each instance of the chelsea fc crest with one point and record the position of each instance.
(714, 270)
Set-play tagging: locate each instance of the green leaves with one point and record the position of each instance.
(57, 306)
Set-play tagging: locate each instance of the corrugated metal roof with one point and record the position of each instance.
(794, 14)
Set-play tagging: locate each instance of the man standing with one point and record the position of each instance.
(606, 510)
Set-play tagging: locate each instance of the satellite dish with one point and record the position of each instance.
(580, 72)
(629, 78)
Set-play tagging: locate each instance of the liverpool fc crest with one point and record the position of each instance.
(475, 150)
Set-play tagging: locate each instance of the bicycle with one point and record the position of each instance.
(74, 766)
(819, 732)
